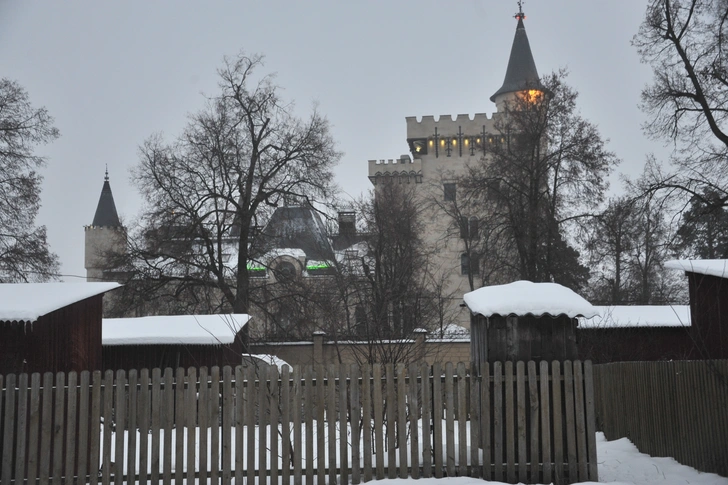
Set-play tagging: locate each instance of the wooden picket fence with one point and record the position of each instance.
(677, 409)
(529, 422)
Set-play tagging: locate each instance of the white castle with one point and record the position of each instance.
(440, 151)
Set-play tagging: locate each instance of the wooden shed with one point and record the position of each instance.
(173, 341)
(51, 327)
(708, 289)
(524, 321)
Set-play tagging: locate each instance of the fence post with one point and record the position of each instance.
(419, 350)
(318, 348)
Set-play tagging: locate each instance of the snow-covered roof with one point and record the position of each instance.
(26, 302)
(268, 359)
(528, 298)
(712, 267)
(176, 329)
(623, 316)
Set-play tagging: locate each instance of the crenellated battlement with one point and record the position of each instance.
(397, 167)
(448, 126)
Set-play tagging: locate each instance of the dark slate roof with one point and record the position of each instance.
(521, 73)
(297, 228)
(106, 215)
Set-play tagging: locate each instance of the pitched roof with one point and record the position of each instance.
(527, 298)
(177, 329)
(106, 215)
(297, 228)
(710, 267)
(521, 73)
(26, 302)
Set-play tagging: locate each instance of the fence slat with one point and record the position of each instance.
(156, 424)
(143, 427)
(46, 428)
(227, 423)
(58, 428)
(545, 421)
(437, 437)
(485, 422)
(402, 419)
(462, 421)
(308, 390)
(33, 428)
(510, 424)
(190, 422)
(297, 448)
(580, 421)
(558, 412)
(570, 426)
(366, 390)
(168, 403)
(590, 422)
(203, 419)
(274, 403)
(331, 420)
(179, 425)
(251, 403)
(449, 419)
(21, 436)
(215, 425)
(498, 421)
(474, 422)
(262, 424)
(71, 430)
(119, 424)
(414, 414)
(355, 392)
(391, 424)
(343, 420)
(426, 421)
(95, 425)
(286, 424)
(9, 428)
(521, 419)
(131, 451)
(320, 426)
(240, 407)
(535, 455)
(378, 420)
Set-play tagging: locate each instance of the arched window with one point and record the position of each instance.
(285, 271)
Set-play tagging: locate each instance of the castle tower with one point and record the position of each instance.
(441, 149)
(521, 73)
(104, 236)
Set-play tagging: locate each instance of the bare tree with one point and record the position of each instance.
(208, 190)
(544, 170)
(24, 252)
(685, 43)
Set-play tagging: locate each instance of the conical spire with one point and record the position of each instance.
(521, 73)
(106, 215)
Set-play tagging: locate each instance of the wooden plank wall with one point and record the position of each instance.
(512, 422)
(676, 408)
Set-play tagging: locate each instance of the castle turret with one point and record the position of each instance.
(521, 74)
(104, 237)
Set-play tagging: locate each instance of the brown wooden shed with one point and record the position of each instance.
(173, 341)
(708, 289)
(51, 327)
(524, 321)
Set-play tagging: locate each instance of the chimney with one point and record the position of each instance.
(347, 223)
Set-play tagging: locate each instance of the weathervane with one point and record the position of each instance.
(520, 15)
(106, 176)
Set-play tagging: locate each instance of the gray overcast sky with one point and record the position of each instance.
(113, 73)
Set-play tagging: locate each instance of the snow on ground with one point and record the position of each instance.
(619, 462)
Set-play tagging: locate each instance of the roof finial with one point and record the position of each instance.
(106, 176)
(520, 15)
